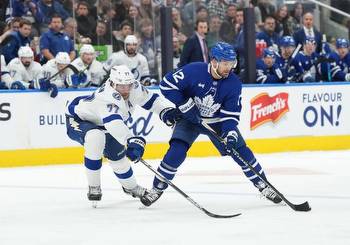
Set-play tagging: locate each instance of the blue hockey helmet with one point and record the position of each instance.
(222, 51)
(269, 52)
(287, 41)
(309, 39)
(342, 43)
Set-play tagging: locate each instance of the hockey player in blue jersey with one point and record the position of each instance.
(267, 71)
(308, 59)
(290, 67)
(98, 123)
(212, 93)
(340, 61)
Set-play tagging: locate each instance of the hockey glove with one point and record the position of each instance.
(169, 116)
(17, 85)
(135, 148)
(3, 85)
(190, 111)
(44, 84)
(231, 141)
(147, 81)
(53, 91)
(78, 79)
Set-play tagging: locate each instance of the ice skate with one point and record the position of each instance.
(270, 194)
(137, 192)
(152, 196)
(94, 195)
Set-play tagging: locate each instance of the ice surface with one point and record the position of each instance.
(48, 205)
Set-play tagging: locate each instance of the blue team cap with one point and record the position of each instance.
(223, 51)
(287, 41)
(268, 52)
(342, 43)
(311, 40)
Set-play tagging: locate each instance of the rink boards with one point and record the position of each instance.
(292, 117)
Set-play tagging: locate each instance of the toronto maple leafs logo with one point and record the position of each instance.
(206, 106)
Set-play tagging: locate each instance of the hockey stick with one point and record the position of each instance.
(185, 195)
(297, 207)
(70, 66)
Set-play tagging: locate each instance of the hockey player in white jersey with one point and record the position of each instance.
(98, 123)
(54, 74)
(91, 72)
(135, 61)
(5, 78)
(24, 70)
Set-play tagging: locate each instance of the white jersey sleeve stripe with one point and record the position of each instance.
(111, 118)
(230, 112)
(169, 84)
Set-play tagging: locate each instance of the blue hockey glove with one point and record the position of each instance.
(3, 85)
(135, 148)
(17, 85)
(190, 111)
(44, 84)
(78, 79)
(53, 91)
(169, 116)
(231, 141)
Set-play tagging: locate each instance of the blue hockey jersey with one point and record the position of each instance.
(265, 74)
(339, 67)
(219, 101)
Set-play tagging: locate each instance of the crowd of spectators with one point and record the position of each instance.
(51, 27)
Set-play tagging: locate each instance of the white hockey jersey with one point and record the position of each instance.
(50, 69)
(5, 75)
(26, 75)
(107, 108)
(94, 72)
(137, 64)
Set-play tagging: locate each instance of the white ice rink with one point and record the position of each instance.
(48, 205)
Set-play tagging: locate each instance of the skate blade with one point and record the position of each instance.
(94, 204)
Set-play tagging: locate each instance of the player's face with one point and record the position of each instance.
(26, 61)
(309, 48)
(124, 90)
(342, 52)
(131, 49)
(224, 68)
(61, 66)
(269, 61)
(287, 51)
(87, 58)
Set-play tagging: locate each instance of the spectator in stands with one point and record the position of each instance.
(12, 26)
(180, 36)
(268, 34)
(3, 6)
(48, 8)
(122, 9)
(308, 30)
(150, 45)
(26, 9)
(217, 8)
(189, 13)
(101, 37)
(86, 23)
(267, 71)
(297, 16)
(126, 28)
(196, 47)
(134, 16)
(177, 52)
(283, 22)
(227, 29)
(110, 15)
(177, 20)
(266, 8)
(213, 36)
(55, 40)
(16, 39)
(202, 13)
(147, 11)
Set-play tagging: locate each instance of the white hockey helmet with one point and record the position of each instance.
(62, 58)
(25, 52)
(121, 74)
(130, 39)
(87, 49)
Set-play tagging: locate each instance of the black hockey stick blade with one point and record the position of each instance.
(185, 195)
(296, 207)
